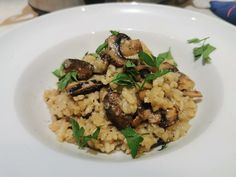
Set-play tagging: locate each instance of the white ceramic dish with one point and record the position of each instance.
(29, 54)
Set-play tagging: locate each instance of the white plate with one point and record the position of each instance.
(29, 54)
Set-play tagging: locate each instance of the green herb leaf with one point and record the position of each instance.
(149, 60)
(66, 79)
(96, 133)
(133, 140)
(101, 47)
(164, 56)
(129, 64)
(115, 33)
(78, 131)
(159, 73)
(208, 49)
(59, 73)
(78, 134)
(196, 40)
(203, 51)
(124, 80)
(197, 52)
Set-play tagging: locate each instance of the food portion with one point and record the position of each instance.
(121, 98)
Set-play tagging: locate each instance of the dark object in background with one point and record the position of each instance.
(225, 10)
(45, 6)
(93, 1)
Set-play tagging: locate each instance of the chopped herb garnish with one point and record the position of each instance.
(202, 51)
(159, 73)
(133, 140)
(78, 134)
(66, 79)
(101, 47)
(149, 60)
(124, 80)
(162, 57)
(129, 64)
(115, 33)
(156, 61)
(59, 73)
(129, 77)
(153, 76)
(196, 40)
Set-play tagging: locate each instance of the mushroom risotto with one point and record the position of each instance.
(121, 98)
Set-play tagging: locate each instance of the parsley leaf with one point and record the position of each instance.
(164, 56)
(59, 73)
(115, 33)
(159, 73)
(196, 40)
(129, 64)
(66, 79)
(203, 51)
(156, 61)
(101, 47)
(149, 60)
(124, 80)
(78, 134)
(207, 51)
(133, 140)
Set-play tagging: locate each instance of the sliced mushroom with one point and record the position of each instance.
(185, 83)
(121, 48)
(150, 116)
(193, 94)
(168, 117)
(144, 69)
(136, 121)
(113, 51)
(166, 65)
(114, 112)
(83, 87)
(83, 68)
(160, 142)
(130, 48)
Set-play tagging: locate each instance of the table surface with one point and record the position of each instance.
(16, 12)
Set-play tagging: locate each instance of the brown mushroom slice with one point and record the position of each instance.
(185, 83)
(136, 121)
(166, 65)
(160, 142)
(130, 47)
(115, 57)
(83, 68)
(114, 112)
(168, 117)
(83, 87)
(150, 116)
(193, 94)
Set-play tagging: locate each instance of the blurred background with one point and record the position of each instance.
(52, 5)
(14, 12)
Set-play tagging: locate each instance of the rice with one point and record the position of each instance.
(89, 111)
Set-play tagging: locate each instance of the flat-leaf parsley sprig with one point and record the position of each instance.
(78, 134)
(133, 140)
(64, 78)
(203, 51)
